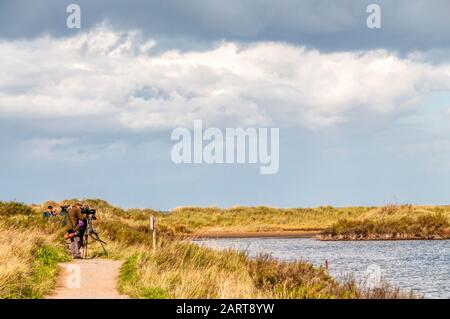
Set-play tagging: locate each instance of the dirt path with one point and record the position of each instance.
(88, 279)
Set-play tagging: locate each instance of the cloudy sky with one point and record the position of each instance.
(364, 114)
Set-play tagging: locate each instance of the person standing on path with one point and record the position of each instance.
(73, 221)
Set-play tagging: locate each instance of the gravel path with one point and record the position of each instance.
(88, 279)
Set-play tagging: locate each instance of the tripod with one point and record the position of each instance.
(91, 233)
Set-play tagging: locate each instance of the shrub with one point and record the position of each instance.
(11, 208)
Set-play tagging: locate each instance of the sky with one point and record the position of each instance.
(363, 114)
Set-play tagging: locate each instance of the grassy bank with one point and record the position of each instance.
(191, 220)
(183, 270)
(29, 253)
(198, 221)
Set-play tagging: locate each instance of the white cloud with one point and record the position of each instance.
(116, 76)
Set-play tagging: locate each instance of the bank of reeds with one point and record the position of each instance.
(432, 226)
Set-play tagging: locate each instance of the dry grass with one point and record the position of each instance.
(186, 271)
(15, 261)
(27, 263)
(29, 252)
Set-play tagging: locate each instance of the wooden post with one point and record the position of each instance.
(326, 265)
(153, 229)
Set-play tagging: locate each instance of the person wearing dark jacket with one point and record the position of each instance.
(73, 221)
(48, 213)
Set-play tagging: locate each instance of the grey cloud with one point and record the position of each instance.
(325, 24)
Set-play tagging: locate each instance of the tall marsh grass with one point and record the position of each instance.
(28, 263)
(433, 226)
(184, 270)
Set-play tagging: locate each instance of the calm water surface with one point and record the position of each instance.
(423, 266)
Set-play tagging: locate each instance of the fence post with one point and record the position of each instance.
(153, 228)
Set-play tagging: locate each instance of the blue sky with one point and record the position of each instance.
(363, 114)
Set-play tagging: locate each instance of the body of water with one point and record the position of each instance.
(423, 266)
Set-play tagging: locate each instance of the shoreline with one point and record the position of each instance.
(289, 234)
(384, 239)
(249, 234)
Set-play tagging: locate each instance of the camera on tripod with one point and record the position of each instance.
(64, 208)
(89, 212)
(90, 231)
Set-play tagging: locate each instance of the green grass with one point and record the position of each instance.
(44, 269)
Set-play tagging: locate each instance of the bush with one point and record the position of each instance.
(296, 279)
(11, 208)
